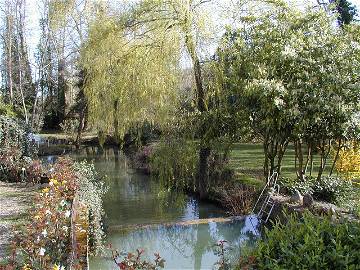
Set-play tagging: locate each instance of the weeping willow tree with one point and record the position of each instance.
(132, 64)
(131, 76)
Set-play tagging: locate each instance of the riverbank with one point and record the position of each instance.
(16, 199)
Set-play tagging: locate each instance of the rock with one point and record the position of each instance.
(296, 197)
(308, 200)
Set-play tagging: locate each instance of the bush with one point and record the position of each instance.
(332, 189)
(46, 241)
(14, 134)
(329, 189)
(91, 191)
(175, 163)
(237, 198)
(312, 243)
(348, 163)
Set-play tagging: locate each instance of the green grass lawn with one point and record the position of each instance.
(247, 160)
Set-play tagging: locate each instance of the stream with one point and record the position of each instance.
(139, 215)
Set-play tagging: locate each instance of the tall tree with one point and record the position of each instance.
(346, 10)
(296, 77)
(17, 76)
(188, 21)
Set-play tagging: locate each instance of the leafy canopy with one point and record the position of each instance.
(129, 79)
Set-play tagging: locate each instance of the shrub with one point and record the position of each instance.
(348, 162)
(175, 163)
(132, 261)
(46, 240)
(312, 243)
(332, 189)
(91, 191)
(70, 126)
(329, 189)
(237, 198)
(14, 134)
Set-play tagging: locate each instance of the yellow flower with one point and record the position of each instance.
(45, 190)
(54, 181)
(58, 267)
(26, 267)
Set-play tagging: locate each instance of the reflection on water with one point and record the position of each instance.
(133, 198)
(183, 247)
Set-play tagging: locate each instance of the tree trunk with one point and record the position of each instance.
(266, 159)
(300, 158)
(323, 158)
(203, 175)
(307, 158)
(336, 157)
(281, 154)
(9, 58)
(204, 153)
(80, 129)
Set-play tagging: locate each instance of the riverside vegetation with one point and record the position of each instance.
(287, 80)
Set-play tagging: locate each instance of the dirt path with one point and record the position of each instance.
(15, 201)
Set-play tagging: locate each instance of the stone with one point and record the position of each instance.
(296, 197)
(308, 200)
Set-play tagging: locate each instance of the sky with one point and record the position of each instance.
(33, 19)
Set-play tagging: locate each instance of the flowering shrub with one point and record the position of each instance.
(46, 239)
(16, 152)
(90, 192)
(132, 261)
(14, 168)
(46, 242)
(348, 162)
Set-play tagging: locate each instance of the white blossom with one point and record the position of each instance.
(42, 251)
(278, 102)
(67, 213)
(289, 52)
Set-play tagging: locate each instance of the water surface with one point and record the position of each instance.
(134, 200)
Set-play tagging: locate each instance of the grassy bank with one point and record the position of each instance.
(247, 160)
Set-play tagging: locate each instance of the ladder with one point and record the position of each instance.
(268, 204)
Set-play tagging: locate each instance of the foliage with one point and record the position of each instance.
(294, 75)
(329, 189)
(46, 240)
(91, 191)
(238, 199)
(133, 261)
(6, 109)
(14, 134)
(142, 159)
(174, 161)
(348, 162)
(128, 81)
(346, 11)
(16, 151)
(312, 243)
(14, 168)
(70, 126)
